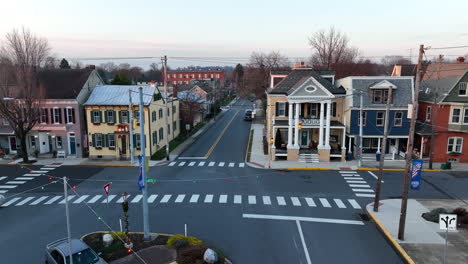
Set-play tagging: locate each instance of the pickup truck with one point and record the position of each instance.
(57, 252)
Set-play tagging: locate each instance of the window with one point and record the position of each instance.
(98, 140)
(211, 76)
(124, 117)
(380, 96)
(199, 76)
(180, 75)
(70, 115)
(137, 141)
(168, 112)
(43, 117)
(370, 143)
(456, 115)
(462, 88)
(455, 144)
(174, 126)
(33, 141)
(398, 120)
(56, 115)
(174, 109)
(428, 113)
(5, 122)
(136, 115)
(333, 109)
(155, 137)
(168, 129)
(314, 110)
(111, 140)
(160, 113)
(96, 117)
(217, 75)
(380, 118)
(281, 109)
(110, 116)
(161, 133)
(364, 118)
(465, 116)
(206, 75)
(153, 116)
(58, 142)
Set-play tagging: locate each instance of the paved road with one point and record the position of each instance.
(253, 215)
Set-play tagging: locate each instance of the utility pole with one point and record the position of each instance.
(434, 113)
(130, 118)
(360, 128)
(384, 149)
(164, 59)
(67, 214)
(214, 99)
(143, 168)
(409, 149)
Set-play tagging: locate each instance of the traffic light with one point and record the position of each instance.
(271, 140)
(135, 122)
(299, 125)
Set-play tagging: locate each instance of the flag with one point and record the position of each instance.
(141, 184)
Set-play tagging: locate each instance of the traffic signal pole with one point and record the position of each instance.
(146, 229)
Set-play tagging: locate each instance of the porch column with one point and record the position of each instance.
(422, 148)
(327, 129)
(322, 106)
(349, 145)
(290, 127)
(378, 145)
(296, 125)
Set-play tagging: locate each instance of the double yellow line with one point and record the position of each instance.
(220, 136)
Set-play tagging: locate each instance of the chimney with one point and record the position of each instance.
(460, 59)
(153, 83)
(91, 67)
(174, 91)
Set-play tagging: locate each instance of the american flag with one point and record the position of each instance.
(416, 168)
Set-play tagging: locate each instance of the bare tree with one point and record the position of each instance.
(391, 60)
(22, 54)
(51, 63)
(331, 47)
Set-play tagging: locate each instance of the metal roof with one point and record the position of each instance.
(118, 94)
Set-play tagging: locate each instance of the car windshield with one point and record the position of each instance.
(248, 112)
(86, 256)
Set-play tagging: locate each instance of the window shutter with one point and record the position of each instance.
(51, 115)
(105, 116)
(60, 115)
(46, 113)
(286, 110)
(134, 141)
(94, 139)
(65, 116)
(120, 117)
(100, 116)
(114, 116)
(73, 115)
(276, 108)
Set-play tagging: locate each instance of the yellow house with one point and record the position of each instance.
(108, 117)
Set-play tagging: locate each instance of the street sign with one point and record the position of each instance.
(107, 189)
(448, 222)
(416, 174)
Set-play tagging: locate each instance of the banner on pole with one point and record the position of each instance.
(416, 174)
(141, 184)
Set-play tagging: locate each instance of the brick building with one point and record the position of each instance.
(185, 76)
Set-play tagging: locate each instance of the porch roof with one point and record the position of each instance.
(423, 128)
(6, 131)
(333, 123)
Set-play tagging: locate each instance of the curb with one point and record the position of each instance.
(103, 165)
(376, 169)
(389, 237)
(308, 168)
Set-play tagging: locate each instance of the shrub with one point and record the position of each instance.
(460, 212)
(433, 215)
(192, 241)
(464, 219)
(116, 235)
(192, 255)
(181, 244)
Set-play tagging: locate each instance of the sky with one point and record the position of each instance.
(206, 28)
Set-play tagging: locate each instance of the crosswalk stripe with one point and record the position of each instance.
(223, 198)
(24, 178)
(242, 164)
(38, 171)
(356, 181)
(152, 197)
(3, 177)
(31, 174)
(82, 198)
(363, 190)
(3, 191)
(324, 202)
(310, 202)
(339, 203)
(346, 172)
(15, 182)
(48, 169)
(8, 186)
(95, 198)
(359, 185)
(266, 200)
(211, 164)
(69, 197)
(109, 198)
(191, 163)
(137, 198)
(295, 201)
(231, 164)
(181, 163)
(201, 163)
(364, 195)
(353, 178)
(180, 198)
(166, 198)
(252, 199)
(208, 198)
(221, 164)
(11, 201)
(237, 199)
(25, 201)
(172, 164)
(52, 165)
(194, 198)
(354, 204)
(281, 200)
(39, 200)
(121, 199)
(53, 199)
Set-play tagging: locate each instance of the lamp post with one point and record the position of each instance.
(269, 156)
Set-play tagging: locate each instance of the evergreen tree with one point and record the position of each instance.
(64, 64)
(121, 79)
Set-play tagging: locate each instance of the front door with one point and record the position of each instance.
(43, 143)
(124, 145)
(305, 138)
(72, 143)
(13, 146)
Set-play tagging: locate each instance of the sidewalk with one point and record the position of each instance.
(424, 242)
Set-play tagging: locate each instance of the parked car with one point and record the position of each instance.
(248, 115)
(57, 252)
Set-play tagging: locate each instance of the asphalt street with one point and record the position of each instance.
(252, 215)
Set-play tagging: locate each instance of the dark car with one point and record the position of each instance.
(248, 115)
(58, 253)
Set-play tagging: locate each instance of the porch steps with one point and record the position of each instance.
(308, 158)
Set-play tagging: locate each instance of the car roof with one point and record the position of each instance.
(77, 246)
(247, 110)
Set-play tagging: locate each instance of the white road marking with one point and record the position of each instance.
(345, 172)
(181, 163)
(8, 186)
(360, 185)
(208, 198)
(310, 202)
(194, 198)
(39, 200)
(363, 190)
(31, 174)
(53, 199)
(223, 198)
(375, 176)
(211, 164)
(137, 198)
(281, 200)
(53, 166)
(191, 158)
(15, 182)
(152, 197)
(166, 198)
(49, 169)
(202, 163)
(305, 219)
(221, 164)
(3, 191)
(172, 164)
(39, 171)
(3, 177)
(356, 181)
(339, 203)
(354, 204)
(25, 201)
(109, 198)
(24, 178)
(324, 202)
(353, 178)
(364, 195)
(237, 199)
(266, 200)
(69, 197)
(295, 201)
(180, 198)
(306, 251)
(11, 201)
(191, 164)
(121, 199)
(82, 198)
(95, 198)
(242, 164)
(231, 164)
(252, 199)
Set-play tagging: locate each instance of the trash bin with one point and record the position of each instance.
(449, 165)
(377, 156)
(446, 166)
(349, 156)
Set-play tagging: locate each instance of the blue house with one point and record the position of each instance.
(375, 93)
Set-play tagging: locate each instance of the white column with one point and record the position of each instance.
(290, 127)
(343, 146)
(349, 145)
(296, 125)
(422, 148)
(322, 108)
(378, 145)
(327, 128)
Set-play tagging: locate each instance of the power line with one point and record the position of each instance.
(453, 47)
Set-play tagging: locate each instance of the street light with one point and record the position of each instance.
(269, 154)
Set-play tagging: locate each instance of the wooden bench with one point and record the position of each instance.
(60, 153)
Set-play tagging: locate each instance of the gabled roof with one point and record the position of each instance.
(190, 96)
(443, 86)
(62, 83)
(446, 70)
(119, 95)
(297, 76)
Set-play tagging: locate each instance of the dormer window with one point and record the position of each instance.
(380, 96)
(462, 89)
